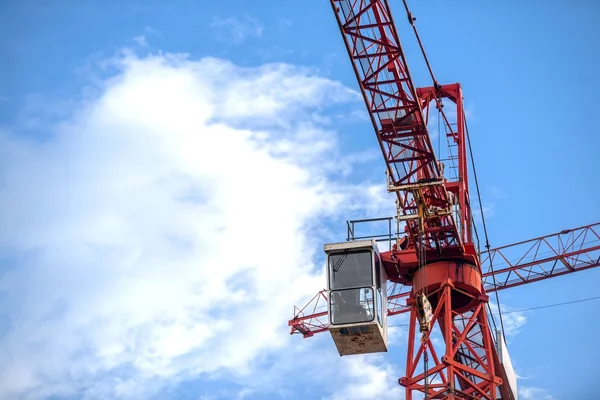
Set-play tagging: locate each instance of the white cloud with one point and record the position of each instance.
(368, 377)
(489, 212)
(470, 111)
(235, 30)
(533, 393)
(141, 40)
(513, 320)
(497, 192)
(398, 330)
(167, 227)
(284, 23)
(152, 31)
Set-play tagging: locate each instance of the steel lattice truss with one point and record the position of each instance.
(436, 210)
(397, 116)
(541, 258)
(532, 260)
(466, 363)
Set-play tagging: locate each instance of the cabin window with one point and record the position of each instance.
(350, 269)
(350, 306)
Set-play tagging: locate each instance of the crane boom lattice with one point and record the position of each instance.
(397, 116)
(433, 270)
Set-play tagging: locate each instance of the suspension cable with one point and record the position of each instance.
(487, 242)
(476, 235)
(436, 86)
(411, 21)
(544, 306)
(439, 105)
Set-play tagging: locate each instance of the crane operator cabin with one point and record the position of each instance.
(357, 297)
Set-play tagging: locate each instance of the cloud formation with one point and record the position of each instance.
(366, 380)
(235, 30)
(164, 230)
(533, 393)
(513, 320)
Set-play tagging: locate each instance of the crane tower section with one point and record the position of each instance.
(437, 256)
(436, 214)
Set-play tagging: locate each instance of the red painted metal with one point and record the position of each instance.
(533, 260)
(545, 257)
(312, 318)
(316, 321)
(397, 116)
(437, 257)
(402, 261)
(465, 368)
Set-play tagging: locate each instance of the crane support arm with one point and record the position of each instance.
(313, 318)
(396, 113)
(533, 260)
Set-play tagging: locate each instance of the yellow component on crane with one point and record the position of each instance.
(421, 209)
(424, 312)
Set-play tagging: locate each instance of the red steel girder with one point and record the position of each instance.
(312, 318)
(397, 115)
(455, 129)
(316, 321)
(533, 260)
(545, 257)
(467, 367)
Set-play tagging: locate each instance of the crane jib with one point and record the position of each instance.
(397, 115)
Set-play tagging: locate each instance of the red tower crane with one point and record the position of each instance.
(437, 255)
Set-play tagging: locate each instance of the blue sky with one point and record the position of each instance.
(132, 244)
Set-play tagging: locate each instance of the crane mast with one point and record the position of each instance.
(437, 256)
